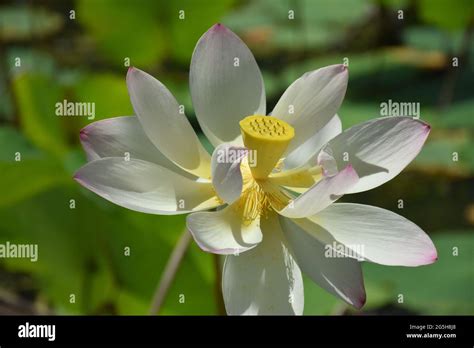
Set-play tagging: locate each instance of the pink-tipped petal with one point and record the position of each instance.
(83, 134)
(361, 301)
(122, 137)
(218, 26)
(146, 187)
(387, 238)
(226, 84)
(378, 149)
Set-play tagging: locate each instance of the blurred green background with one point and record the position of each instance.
(82, 55)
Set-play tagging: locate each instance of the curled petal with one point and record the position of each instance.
(378, 149)
(226, 174)
(223, 232)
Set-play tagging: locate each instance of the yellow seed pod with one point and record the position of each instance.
(269, 137)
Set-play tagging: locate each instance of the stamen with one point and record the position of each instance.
(258, 196)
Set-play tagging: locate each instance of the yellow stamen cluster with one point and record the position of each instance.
(258, 196)
(253, 200)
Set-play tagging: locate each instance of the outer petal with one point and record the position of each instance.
(226, 174)
(307, 152)
(387, 238)
(226, 84)
(321, 195)
(378, 149)
(119, 136)
(340, 275)
(223, 232)
(311, 101)
(167, 128)
(145, 186)
(265, 280)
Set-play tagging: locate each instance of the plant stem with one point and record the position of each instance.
(169, 272)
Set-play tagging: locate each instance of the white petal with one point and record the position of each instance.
(226, 84)
(340, 275)
(311, 101)
(378, 149)
(387, 238)
(307, 152)
(226, 174)
(164, 124)
(145, 186)
(265, 280)
(122, 137)
(223, 232)
(322, 194)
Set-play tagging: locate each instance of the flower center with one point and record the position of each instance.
(268, 137)
(258, 196)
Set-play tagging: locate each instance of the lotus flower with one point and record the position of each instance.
(271, 181)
